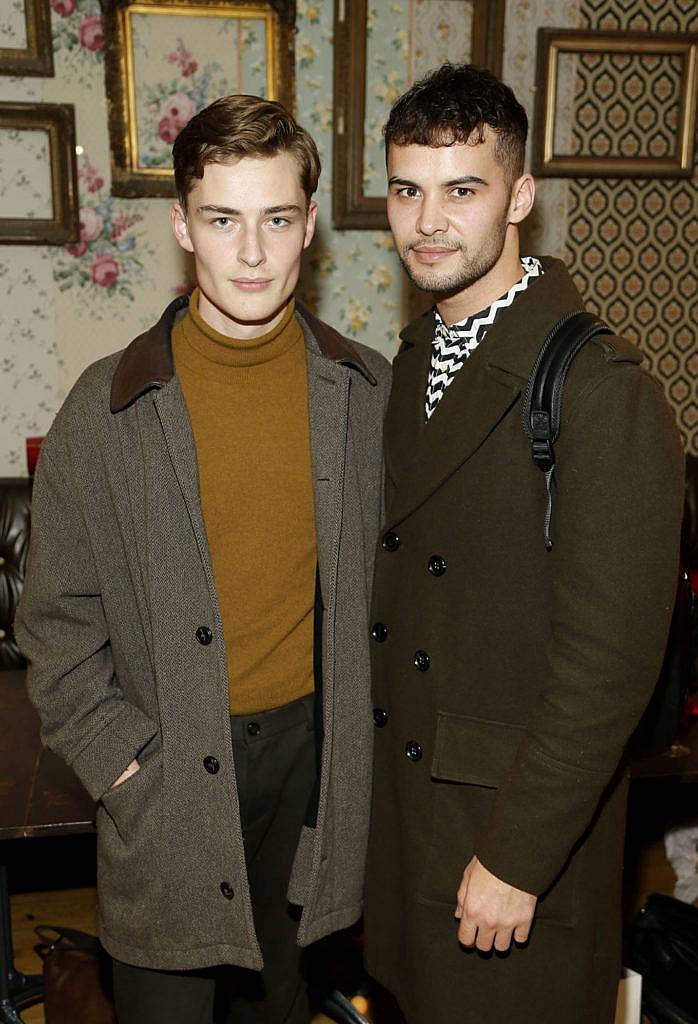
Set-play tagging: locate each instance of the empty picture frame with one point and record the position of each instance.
(167, 59)
(615, 104)
(358, 26)
(31, 29)
(38, 182)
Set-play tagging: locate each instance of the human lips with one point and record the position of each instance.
(251, 284)
(432, 253)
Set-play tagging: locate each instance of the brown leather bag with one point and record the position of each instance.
(77, 977)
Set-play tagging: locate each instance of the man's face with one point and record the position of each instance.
(449, 209)
(247, 224)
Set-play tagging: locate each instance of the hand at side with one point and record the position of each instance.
(126, 774)
(491, 911)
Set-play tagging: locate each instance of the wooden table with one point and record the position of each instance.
(39, 796)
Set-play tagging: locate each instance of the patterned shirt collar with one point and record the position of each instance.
(454, 343)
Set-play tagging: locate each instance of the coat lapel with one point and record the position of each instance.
(421, 456)
(328, 403)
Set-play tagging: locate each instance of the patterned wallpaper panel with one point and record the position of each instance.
(630, 244)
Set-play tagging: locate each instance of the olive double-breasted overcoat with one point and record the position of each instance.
(121, 625)
(507, 678)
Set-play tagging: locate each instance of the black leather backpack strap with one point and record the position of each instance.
(542, 406)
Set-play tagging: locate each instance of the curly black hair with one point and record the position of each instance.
(456, 103)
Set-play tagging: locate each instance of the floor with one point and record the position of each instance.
(646, 871)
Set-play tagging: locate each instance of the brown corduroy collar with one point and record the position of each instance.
(147, 363)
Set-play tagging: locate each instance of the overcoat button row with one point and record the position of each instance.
(380, 717)
(379, 632)
(422, 661)
(204, 635)
(254, 728)
(436, 565)
(211, 765)
(391, 541)
(227, 890)
(413, 750)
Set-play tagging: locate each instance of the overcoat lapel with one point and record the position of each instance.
(421, 456)
(328, 401)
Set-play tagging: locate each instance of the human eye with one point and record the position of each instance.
(279, 222)
(408, 192)
(462, 192)
(221, 222)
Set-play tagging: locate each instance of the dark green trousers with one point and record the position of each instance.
(275, 764)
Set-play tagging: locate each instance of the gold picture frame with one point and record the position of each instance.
(553, 44)
(143, 168)
(57, 120)
(36, 58)
(351, 207)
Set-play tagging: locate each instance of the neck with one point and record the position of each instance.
(456, 306)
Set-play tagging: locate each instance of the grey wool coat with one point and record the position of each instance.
(505, 740)
(119, 580)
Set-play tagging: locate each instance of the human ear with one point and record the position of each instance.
(180, 228)
(310, 223)
(523, 194)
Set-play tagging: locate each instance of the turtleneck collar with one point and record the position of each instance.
(225, 351)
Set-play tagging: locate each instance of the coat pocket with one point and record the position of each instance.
(472, 757)
(133, 806)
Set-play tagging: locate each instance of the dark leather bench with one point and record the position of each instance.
(39, 794)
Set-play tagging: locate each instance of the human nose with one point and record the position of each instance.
(431, 217)
(251, 251)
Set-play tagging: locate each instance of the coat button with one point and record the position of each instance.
(380, 717)
(211, 765)
(391, 541)
(422, 661)
(379, 632)
(413, 750)
(254, 728)
(204, 635)
(227, 890)
(436, 565)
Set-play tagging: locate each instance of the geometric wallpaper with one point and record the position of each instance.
(632, 242)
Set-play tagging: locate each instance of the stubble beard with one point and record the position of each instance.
(471, 268)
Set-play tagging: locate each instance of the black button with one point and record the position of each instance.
(379, 632)
(254, 728)
(227, 890)
(204, 635)
(413, 750)
(211, 765)
(380, 717)
(391, 541)
(422, 661)
(436, 565)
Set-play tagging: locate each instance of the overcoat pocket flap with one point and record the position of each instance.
(474, 750)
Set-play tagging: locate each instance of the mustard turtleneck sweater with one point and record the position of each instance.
(248, 405)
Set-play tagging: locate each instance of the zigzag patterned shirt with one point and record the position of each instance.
(453, 345)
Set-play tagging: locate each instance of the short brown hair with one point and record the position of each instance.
(455, 103)
(238, 126)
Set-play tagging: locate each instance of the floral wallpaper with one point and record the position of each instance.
(25, 174)
(67, 306)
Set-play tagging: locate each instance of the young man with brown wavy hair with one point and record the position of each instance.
(195, 613)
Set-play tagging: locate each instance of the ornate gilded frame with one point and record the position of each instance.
(554, 42)
(58, 121)
(129, 177)
(37, 57)
(351, 208)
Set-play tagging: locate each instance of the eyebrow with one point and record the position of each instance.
(466, 180)
(229, 211)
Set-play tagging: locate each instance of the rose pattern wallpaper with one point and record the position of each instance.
(126, 267)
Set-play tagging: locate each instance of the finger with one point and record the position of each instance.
(502, 940)
(522, 931)
(485, 939)
(467, 933)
